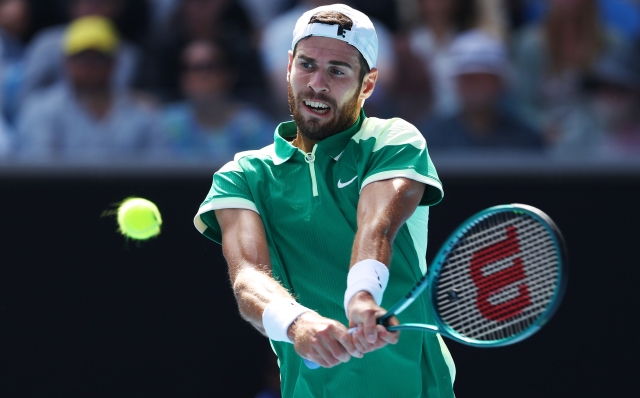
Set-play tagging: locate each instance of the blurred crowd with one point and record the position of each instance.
(199, 80)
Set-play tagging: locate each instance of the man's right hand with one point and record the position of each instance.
(322, 340)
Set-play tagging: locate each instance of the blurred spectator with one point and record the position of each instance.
(622, 16)
(275, 46)
(480, 66)
(492, 17)
(44, 64)
(86, 118)
(516, 13)
(14, 28)
(611, 119)
(161, 13)
(210, 125)
(384, 11)
(440, 22)
(552, 58)
(5, 138)
(225, 21)
(261, 12)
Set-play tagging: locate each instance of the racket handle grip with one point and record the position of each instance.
(312, 365)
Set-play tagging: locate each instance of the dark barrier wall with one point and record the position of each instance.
(85, 313)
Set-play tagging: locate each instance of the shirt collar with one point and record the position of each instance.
(333, 145)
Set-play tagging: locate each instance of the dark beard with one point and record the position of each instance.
(313, 128)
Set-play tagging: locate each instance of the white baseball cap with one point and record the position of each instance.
(478, 52)
(362, 35)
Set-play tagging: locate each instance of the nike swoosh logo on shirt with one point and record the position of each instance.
(342, 185)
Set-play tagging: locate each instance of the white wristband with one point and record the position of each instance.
(279, 315)
(369, 275)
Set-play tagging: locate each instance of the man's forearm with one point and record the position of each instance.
(254, 290)
(383, 209)
(372, 242)
(244, 245)
(266, 304)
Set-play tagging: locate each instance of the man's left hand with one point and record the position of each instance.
(363, 314)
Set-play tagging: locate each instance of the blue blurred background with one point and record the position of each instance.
(526, 101)
(526, 84)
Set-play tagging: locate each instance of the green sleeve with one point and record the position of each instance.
(229, 190)
(401, 151)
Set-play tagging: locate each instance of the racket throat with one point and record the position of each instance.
(396, 309)
(420, 327)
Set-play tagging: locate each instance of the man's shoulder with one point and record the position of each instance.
(48, 99)
(443, 130)
(240, 161)
(134, 109)
(265, 153)
(48, 36)
(380, 133)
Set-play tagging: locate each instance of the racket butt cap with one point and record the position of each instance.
(310, 364)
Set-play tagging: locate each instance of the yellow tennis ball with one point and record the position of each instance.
(139, 219)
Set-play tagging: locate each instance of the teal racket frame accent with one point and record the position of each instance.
(440, 258)
(450, 244)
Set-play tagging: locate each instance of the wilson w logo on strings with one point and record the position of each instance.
(492, 284)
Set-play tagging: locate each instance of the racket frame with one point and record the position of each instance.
(434, 271)
(440, 258)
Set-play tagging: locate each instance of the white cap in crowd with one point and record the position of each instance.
(362, 35)
(478, 52)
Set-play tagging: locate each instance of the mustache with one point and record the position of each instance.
(318, 97)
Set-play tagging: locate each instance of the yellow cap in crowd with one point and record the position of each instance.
(91, 33)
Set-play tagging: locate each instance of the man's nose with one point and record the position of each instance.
(318, 82)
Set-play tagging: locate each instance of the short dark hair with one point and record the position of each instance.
(338, 18)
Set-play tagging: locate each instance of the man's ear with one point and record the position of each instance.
(289, 65)
(369, 84)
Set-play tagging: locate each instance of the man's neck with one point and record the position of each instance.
(303, 143)
(214, 112)
(97, 101)
(480, 122)
(306, 144)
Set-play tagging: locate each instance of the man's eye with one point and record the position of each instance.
(306, 65)
(338, 72)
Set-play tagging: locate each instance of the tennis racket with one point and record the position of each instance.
(497, 279)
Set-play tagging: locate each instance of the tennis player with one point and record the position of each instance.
(328, 225)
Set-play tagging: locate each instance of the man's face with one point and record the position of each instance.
(205, 74)
(325, 91)
(479, 90)
(90, 69)
(14, 16)
(104, 8)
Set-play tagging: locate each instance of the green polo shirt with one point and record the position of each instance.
(308, 204)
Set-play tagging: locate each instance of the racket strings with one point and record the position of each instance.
(540, 292)
(476, 241)
(488, 302)
(489, 314)
(540, 251)
(479, 328)
(499, 279)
